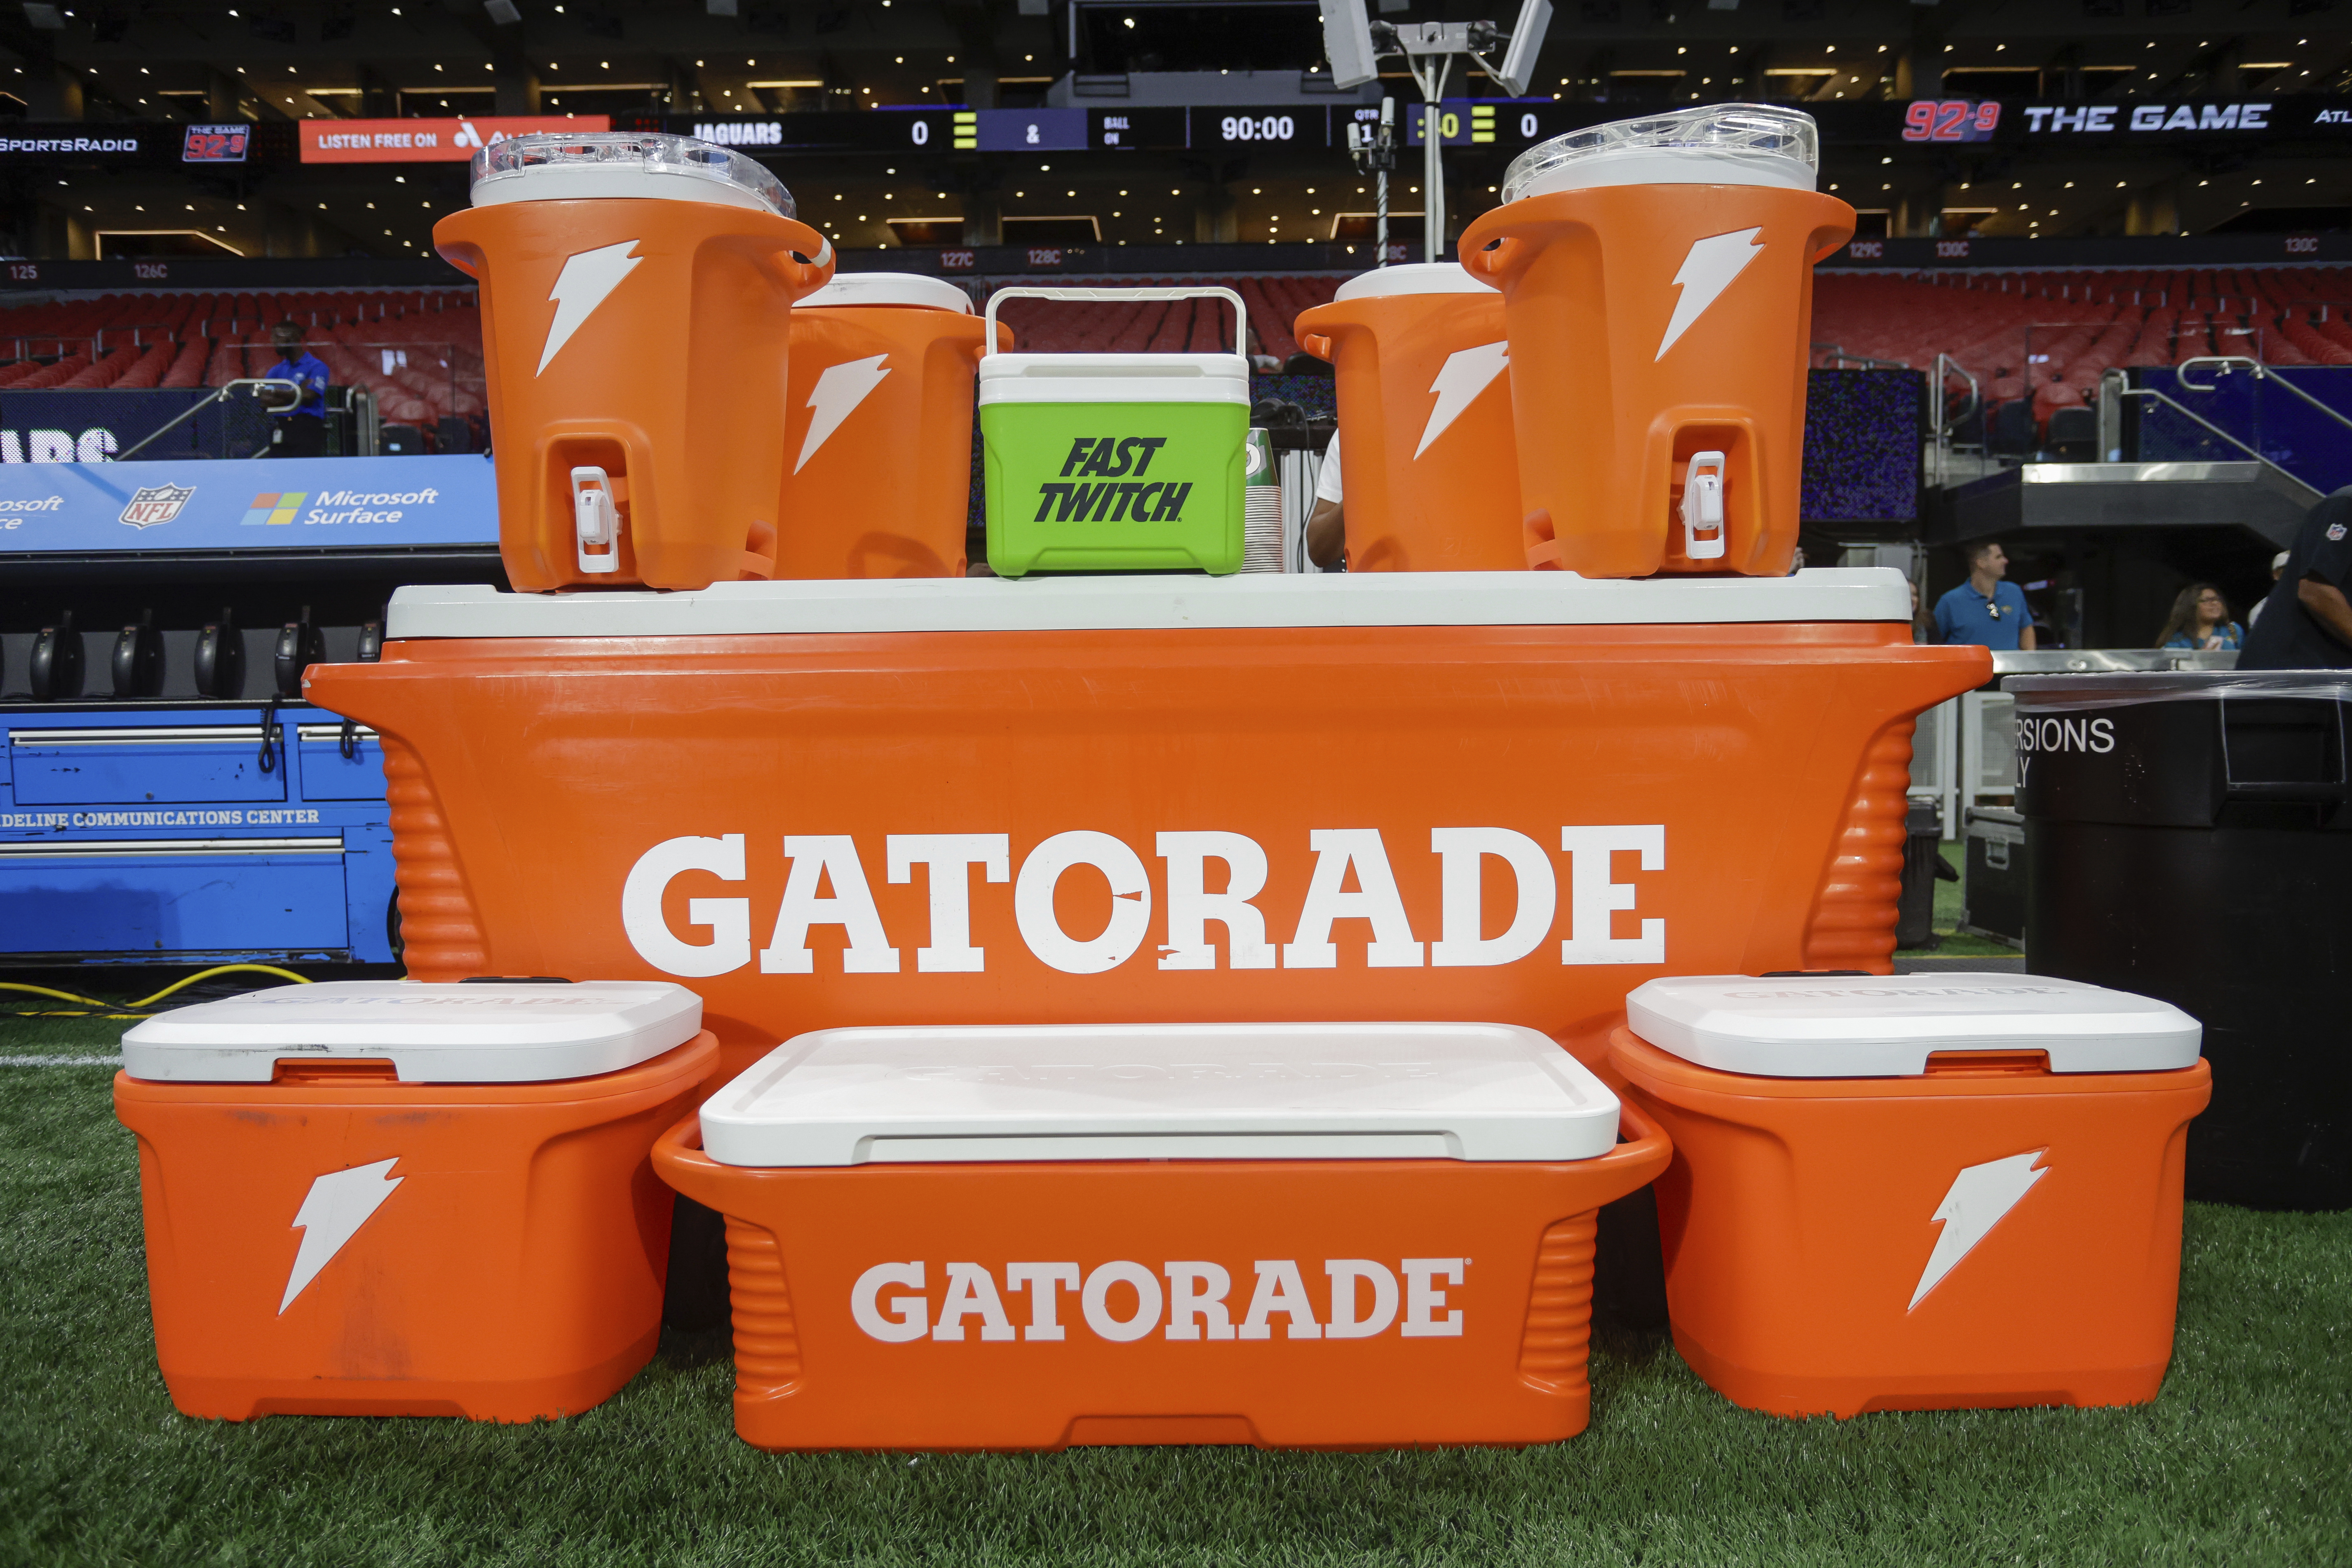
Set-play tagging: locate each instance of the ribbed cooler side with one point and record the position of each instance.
(440, 932)
(1558, 1336)
(1852, 924)
(767, 1347)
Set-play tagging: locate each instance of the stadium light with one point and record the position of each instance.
(1527, 38)
(1348, 42)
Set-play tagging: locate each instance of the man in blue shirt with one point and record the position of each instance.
(1985, 609)
(301, 432)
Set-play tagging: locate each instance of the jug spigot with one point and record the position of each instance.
(1703, 530)
(596, 520)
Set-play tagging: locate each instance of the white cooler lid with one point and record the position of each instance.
(901, 289)
(1114, 378)
(1151, 602)
(1173, 1091)
(1412, 278)
(1885, 1025)
(487, 1032)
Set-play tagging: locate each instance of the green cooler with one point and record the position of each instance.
(1114, 462)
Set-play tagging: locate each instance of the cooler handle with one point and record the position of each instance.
(1486, 263)
(595, 521)
(808, 277)
(1241, 311)
(1703, 531)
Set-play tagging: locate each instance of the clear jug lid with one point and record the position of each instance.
(1717, 144)
(568, 165)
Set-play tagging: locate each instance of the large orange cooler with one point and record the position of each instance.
(877, 433)
(1296, 1236)
(1429, 466)
(388, 1198)
(1511, 795)
(1918, 1193)
(1657, 281)
(637, 302)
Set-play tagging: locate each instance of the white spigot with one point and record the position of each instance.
(1703, 530)
(595, 521)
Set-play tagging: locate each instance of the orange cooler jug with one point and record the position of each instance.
(393, 1198)
(878, 433)
(1426, 452)
(1918, 1192)
(1657, 290)
(1296, 1236)
(637, 300)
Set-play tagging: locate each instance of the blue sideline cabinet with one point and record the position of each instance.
(173, 832)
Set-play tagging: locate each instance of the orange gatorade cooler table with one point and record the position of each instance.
(1922, 1192)
(387, 1198)
(1512, 795)
(1296, 1236)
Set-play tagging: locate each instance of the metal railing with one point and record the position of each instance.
(1841, 359)
(2153, 395)
(2226, 364)
(220, 394)
(1939, 422)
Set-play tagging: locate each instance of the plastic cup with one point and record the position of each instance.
(1658, 290)
(636, 298)
(1429, 464)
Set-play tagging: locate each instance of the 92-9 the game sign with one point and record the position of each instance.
(1952, 119)
(215, 143)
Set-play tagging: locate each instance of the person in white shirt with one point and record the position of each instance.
(1327, 527)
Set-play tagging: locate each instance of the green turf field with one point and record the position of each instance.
(2247, 1456)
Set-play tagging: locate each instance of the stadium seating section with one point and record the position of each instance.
(2043, 339)
(419, 352)
(2040, 339)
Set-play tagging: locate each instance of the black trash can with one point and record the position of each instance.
(2188, 837)
(1922, 862)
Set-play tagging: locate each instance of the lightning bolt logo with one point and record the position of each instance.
(584, 283)
(1464, 374)
(835, 396)
(1706, 273)
(336, 1205)
(1980, 1198)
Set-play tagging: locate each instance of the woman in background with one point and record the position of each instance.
(2201, 622)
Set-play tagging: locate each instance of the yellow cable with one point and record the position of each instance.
(129, 1007)
(60, 995)
(208, 975)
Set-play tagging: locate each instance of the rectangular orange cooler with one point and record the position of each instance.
(1295, 1236)
(389, 1198)
(1501, 795)
(1920, 1192)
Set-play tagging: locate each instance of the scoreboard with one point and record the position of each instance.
(1507, 125)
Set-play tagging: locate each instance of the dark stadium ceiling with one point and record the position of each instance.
(346, 59)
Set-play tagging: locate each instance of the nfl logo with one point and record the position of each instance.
(2335, 532)
(156, 503)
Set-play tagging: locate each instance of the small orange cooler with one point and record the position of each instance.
(391, 1198)
(877, 433)
(1295, 1236)
(1432, 473)
(1918, 1192)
